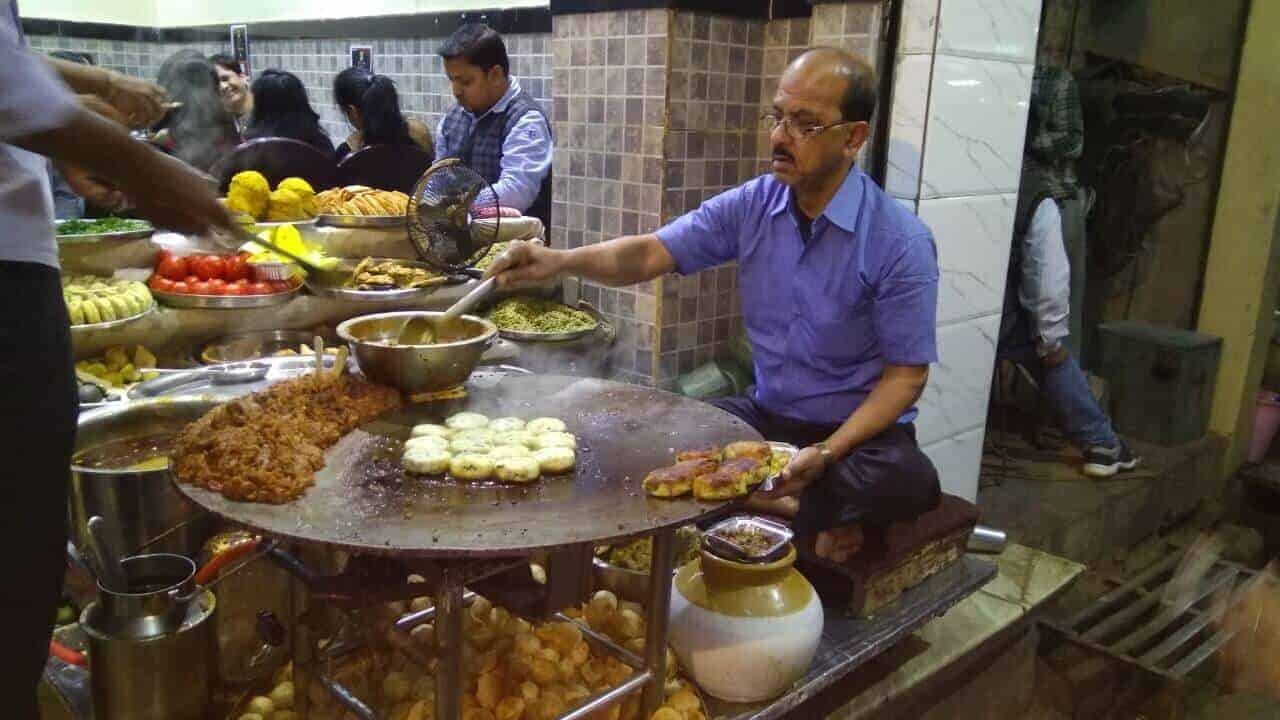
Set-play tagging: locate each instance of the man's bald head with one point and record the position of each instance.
(839, 71)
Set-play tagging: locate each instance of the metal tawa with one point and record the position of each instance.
(364, 502)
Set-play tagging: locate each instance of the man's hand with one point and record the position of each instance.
(95, 104)
(95, 191)
(139, 102)
(807, 466)
(525, 264)
(173, 195)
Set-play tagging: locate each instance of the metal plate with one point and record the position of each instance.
(200, 382)
(778, 447)
(375, 296)
(99, 237)
(363, 221)
(224, 302)
(251, 346)
(90, 327)
(363, 501)
(554, 337)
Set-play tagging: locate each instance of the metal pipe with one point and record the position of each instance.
(604, 644)
(449, 609)
(414, 619)
(603, 700)
(344, 696)
(987, 540)
(655, 640)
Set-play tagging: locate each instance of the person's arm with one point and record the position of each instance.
(163, 189)
(442, 146)
(1044, 288)
(905, 313)
(695, 241)
(139, 102)
(526, 160)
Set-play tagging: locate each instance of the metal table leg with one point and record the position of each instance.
(655, 640)
(449, 609)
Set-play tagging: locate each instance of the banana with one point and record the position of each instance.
(75, 311)
(106, 310)
(91, 315)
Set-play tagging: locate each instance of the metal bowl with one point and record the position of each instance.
(142, 504)
(415, 368)
(254, 345)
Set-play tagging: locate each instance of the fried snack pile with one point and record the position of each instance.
(268, 446)
(361, 200)
(512, 670)
(713, 473)
(373, 274)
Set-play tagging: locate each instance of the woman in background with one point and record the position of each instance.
(372, 106)
(233, 86)
(281, 109)
(201, 130)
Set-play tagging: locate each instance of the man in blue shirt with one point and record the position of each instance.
(839, 288)
(497, 128)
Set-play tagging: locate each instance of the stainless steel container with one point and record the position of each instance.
(162, 677)
(156, 599)
(416, 368)
(143, 504)
(259, 587)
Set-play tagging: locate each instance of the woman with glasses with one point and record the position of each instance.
(839, 286)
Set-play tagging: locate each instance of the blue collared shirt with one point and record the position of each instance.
(824, 316)
(526, 153)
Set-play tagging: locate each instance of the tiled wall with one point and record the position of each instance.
(960, 94)
(411, 62)
(610, 88)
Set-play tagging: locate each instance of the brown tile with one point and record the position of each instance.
(630, 222)
(702, 26)
(656, 22)
(655, 111)
(720, 29)
(720, 329)
(635, 22)
(861, 19)
(716, 87)
(595, 110)
(617, 23)
(667, 339)
(612, 222)
(616, 51)
(656, 51)
(635, 111)
(631, 196)
(739, 31)
(723, 304)
(670, 312)
(682, 25)
(612, 166)
(684, 363)
(598, 54)
(636, 47)
(688, 309)
(702, 355)
(799, 33)
(596, 81)
(668, 366)
(593, 219)
(615, 111)
(652, 171)
(655, 85)
(686, 335)
(633, 137)
(733, 116)
(776, 32)
(597, 24)
(626, 303)
(698, 85)
(643, 361)
(579, 51)
(609, 301)
(699, 54)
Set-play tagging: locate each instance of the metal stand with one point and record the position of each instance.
(449, 609)
(658, 610)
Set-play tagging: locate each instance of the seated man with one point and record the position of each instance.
(497, 128)
(1037, 304)
(839, 291)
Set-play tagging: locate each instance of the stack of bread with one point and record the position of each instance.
(712, 473)
(361, 200)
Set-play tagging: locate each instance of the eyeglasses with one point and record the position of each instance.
(770, 122)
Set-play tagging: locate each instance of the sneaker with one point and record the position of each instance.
(1103, 462)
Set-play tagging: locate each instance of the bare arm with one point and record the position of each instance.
(139, 102)
(623, 261)
(163, 189)
(897, 390)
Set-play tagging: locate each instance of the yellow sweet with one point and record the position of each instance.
(284, 205)
(249, 194)
(304, 191)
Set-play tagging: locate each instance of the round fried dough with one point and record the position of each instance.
(555, 460)
(471, 466)
(516, 469)
(467, 421)
(545, 425)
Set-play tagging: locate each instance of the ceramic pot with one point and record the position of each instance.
(746, 632)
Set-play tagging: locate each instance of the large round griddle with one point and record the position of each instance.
(363, 501)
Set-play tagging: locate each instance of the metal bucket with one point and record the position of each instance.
(157, 598)
(260, 587)
(140, 505)
(162, 677)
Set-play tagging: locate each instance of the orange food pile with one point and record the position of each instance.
(268, 446)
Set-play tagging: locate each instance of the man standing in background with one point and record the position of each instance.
(1055, 141)
(497, 129)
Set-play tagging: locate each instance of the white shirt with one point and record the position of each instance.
(526, 153)
(32, 100)
(1045, 288)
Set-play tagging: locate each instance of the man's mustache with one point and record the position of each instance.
(780, 154)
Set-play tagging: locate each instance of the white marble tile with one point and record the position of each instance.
(973, 235)
(919, 26)
(955, 400)
(908, 108)
(977, 118)
(1000, 29)
(959, 460)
